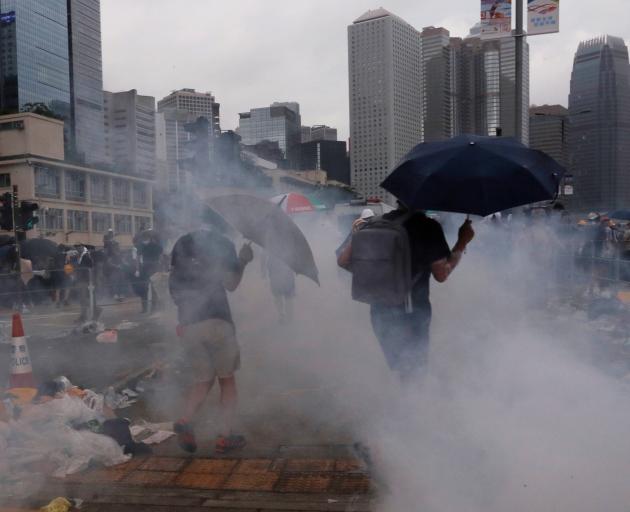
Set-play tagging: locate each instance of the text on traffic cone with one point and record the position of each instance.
(21, 371)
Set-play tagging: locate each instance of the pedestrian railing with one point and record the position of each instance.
(33, 289)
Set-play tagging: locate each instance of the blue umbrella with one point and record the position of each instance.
(474, 175)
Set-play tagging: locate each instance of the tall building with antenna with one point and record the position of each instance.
(599, 119)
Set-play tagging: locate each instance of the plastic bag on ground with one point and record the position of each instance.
(44, 432)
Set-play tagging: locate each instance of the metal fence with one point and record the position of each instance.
(86, 287)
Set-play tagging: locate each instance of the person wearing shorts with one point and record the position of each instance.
(204, 267)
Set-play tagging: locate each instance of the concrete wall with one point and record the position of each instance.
(41, 136)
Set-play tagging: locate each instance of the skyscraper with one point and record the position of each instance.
(200, 104)
(385, 77)
(549, 131)
(130, 132)
(599, 116)
(34, 59)
(318, 132)
(483, 86)
(86, 79)
(279, 123)
(50, 53)
(437, 85)
(181, 108)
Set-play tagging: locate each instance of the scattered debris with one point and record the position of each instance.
(126, 325)
(152, 433)
(58, 505)
(90, 327)
(115, 400)
(108, 336)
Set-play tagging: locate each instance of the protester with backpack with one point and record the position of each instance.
(392, 259)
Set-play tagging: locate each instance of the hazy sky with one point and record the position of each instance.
(250, 53)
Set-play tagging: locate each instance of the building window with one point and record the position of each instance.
(140, 195)
(5, 180)
(52, 219)
(99, 189)
(121, 193)
(141, 223)
(101, 222)
(122, 224)
(75, 186)
(47, 182)
(77, 221)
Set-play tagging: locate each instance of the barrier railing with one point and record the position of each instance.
(88, 287)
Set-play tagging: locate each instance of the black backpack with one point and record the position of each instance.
(381, 262)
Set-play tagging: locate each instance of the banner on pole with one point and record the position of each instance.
(496, 18)
(543, 16)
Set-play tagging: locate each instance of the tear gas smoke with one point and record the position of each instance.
(511, 415)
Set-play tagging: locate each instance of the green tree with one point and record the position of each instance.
(39, 108)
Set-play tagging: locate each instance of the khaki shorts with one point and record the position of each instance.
(211, 350)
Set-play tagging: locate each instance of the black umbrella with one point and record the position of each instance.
(265, 223)
(620, 215)
(38, 250)
(6, 240)
(474, 175)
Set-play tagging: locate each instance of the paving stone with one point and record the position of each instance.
(149, 478)
(282, 497)
(307, 465)
(278, 465)
(176, 501)
(221, 466)
(201, 480)
(347, 465)
(163, 464)
(350, 484)
(303, 483)
(106, 507)
(255, 482)
(253, 466)
(270, 506)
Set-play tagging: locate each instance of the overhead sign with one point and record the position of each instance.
(543, 16)
(496, 18)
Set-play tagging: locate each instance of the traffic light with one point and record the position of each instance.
(27, 217)
(6, 211)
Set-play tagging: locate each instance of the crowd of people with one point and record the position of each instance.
(391, 259)
(63, 274)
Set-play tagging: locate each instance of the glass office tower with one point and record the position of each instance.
(599, 126)
(86, 79)
(34, 62)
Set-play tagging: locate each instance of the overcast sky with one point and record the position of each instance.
(250, 53)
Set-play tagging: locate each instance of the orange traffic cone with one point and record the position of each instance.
(21, 374)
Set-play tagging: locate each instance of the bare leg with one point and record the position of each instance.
(195, 398)
(229, 397)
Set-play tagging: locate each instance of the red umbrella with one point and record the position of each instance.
(297, 203)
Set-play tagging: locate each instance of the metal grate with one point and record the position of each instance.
(303, 483)
(221, 466)
(259, 482)
(211, 481)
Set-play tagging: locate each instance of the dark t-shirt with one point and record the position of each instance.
(200, 262)
(428, 245)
